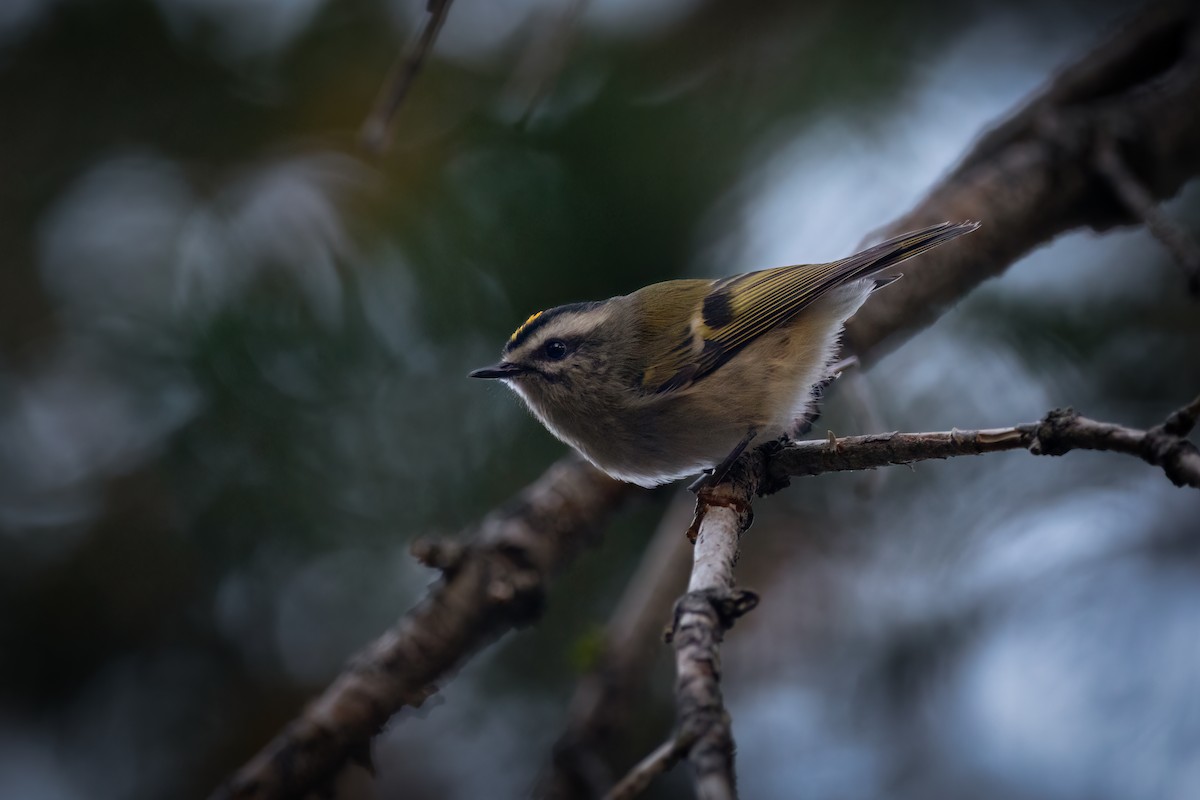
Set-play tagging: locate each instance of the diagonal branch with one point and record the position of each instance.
(1029, 179)
(1141, 204)
(607, 695)
(637, 779)
(376, 133)
(1034, 176)
(494, 582)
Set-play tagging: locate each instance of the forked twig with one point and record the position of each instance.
(712, 604)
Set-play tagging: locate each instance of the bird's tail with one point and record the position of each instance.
(887, 254)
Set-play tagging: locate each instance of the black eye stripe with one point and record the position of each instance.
(538, 321)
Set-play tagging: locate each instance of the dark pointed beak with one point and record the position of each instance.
(502, 370)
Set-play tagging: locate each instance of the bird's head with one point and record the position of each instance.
(557, 358)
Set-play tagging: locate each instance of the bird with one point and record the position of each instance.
(680, 377)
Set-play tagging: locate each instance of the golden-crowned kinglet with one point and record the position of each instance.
(682, 375)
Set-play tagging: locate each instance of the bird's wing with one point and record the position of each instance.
(739, 309)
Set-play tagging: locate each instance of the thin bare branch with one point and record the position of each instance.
(606, 696)
(702, 616)
(646, 770)
(1059, 433)
(376, 132)
(1182, 247)
(1181, 422)
(542, 61)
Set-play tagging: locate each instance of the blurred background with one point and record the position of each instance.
(232, 357)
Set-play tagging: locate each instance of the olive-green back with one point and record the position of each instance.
(692, 327)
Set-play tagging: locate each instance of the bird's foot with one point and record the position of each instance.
(711, 477)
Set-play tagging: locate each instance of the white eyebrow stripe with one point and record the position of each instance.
(571, 325)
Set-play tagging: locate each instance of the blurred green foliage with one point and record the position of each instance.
(233, 349)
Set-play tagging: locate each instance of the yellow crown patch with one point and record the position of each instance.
(524, 325)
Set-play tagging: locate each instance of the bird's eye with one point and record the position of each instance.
(556, 349)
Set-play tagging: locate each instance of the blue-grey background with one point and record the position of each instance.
(232, 358)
